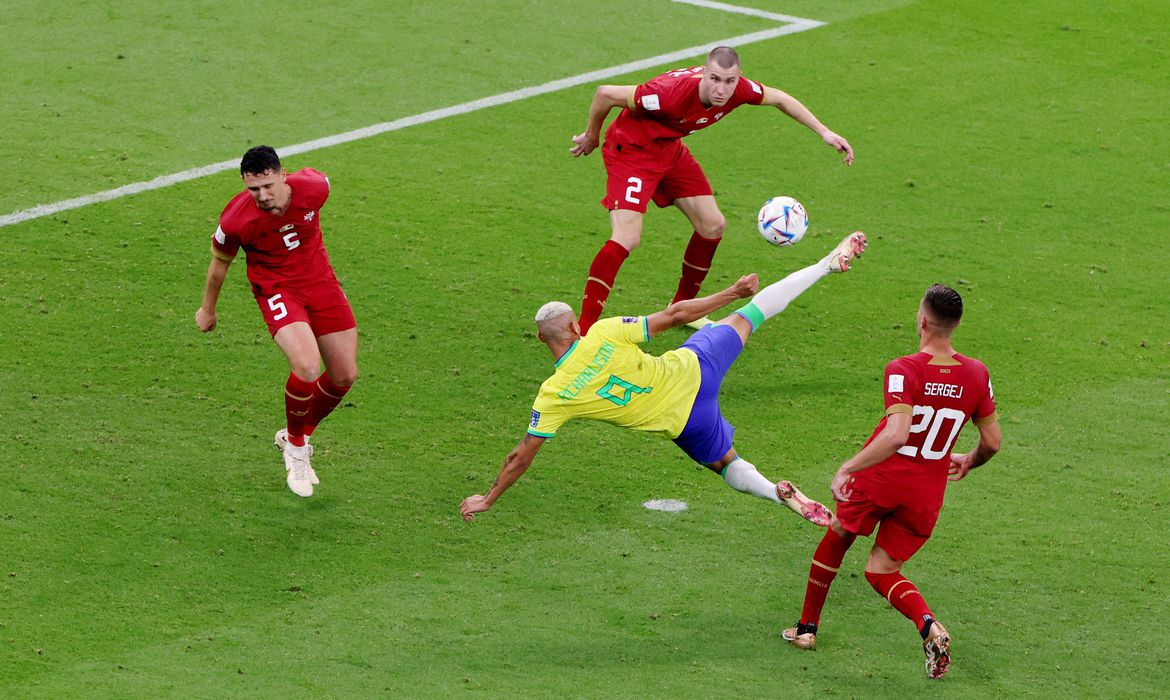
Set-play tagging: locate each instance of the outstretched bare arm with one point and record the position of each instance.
(515, 464)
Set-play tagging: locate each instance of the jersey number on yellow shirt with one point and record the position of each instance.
(628, 390)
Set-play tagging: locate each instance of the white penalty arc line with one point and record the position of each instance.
(792, 25)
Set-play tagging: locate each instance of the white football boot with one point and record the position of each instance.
(853, 245)
(281, 440)
(296, 462)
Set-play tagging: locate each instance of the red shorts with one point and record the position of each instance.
(322, 305)
(902, 528)
(636, 175)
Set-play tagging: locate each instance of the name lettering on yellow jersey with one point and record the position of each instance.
(600, 360)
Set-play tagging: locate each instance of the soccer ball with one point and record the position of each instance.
(782, 221)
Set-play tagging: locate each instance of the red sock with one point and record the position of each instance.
(298, 397)
(696, 262)
(325, 398)
(826, 561)
(602, 273)
(902, 594)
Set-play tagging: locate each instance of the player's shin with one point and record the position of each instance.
(602, 273)
(326, 397)
(774, 298)
(825, 564)
(742, 476)
(298, 398)
(696, 263)
(903, 595)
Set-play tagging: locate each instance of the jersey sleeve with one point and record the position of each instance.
(659, 95)
(648, 97)
(626, 329)
(316, 184)
(225, 242)
(985, 412)
(749, 92)
(547, 418)
(901, 387)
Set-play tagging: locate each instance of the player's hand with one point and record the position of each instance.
(961, 464)
(584, 144)
(746, 286)
(838, 142)
(842, 486)
(205, 320)
(472, 505)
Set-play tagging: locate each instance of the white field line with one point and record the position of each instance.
(791, 25)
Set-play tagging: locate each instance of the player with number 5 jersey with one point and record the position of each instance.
(896, 482)
(276, 220)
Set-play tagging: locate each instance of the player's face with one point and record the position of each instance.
(268, 189)
(718, 84)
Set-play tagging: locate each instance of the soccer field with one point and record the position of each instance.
(150, 548)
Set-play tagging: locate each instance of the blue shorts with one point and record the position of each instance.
(707, 435)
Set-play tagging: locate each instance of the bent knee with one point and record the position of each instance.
(712, 227)
(345, 378)
(627, 239)
(307, 372)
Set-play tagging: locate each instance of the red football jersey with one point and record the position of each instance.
(668, 108)
(941, 394)
(278, 249)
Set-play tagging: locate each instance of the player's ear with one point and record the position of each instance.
(576, 327)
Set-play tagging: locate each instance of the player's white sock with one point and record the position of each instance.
(774, 298)
(742, 476)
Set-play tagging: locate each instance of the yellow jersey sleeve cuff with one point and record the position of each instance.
(537, 433)
(900, 408)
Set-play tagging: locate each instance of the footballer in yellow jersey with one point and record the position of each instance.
(605, 376)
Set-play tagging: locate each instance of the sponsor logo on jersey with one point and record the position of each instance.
(701, 120)
(629, 319)
(286, 227)
(310, 215)
(535, 419)
(897, 384)
(650, 103)
(220, 236)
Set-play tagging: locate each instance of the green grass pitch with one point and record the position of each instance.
(149, 546)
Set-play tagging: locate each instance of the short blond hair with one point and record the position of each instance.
(551, 310)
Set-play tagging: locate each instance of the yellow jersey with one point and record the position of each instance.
(605, 376)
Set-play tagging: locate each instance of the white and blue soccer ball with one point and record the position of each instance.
(782, 221)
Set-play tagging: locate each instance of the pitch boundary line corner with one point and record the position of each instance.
(789, 25)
